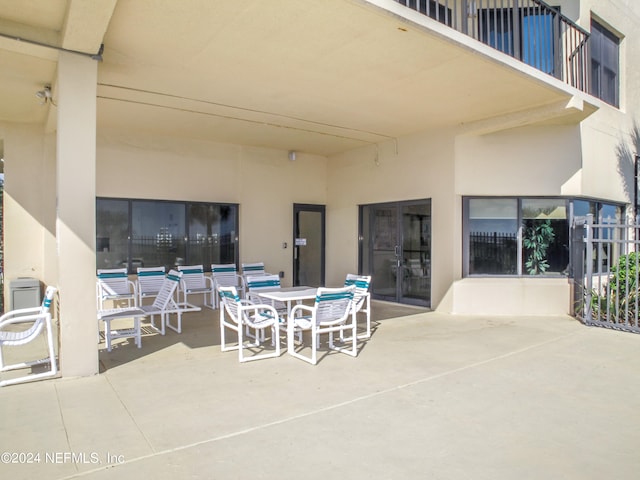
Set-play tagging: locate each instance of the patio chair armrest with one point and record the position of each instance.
(260, 309)
(10, 318)
(133, 286)
(309, 310)
(20, 311)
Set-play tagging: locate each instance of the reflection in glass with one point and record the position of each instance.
(211, 234)
(112, 231)
(152, 233)
(157, 234)
(493, 231)
(545, 236)
(416, 251)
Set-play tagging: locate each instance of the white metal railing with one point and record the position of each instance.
(607, 279)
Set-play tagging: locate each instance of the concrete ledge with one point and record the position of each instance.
(508, 296)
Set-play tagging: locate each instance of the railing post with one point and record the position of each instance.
(559, 54)
(516, 30)
(588, 268)
(464, 17)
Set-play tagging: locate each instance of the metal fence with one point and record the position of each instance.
(529, 30)
(493, 253)
(606, 273)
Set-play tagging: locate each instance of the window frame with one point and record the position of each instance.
(597, 206)
(187, 207)
(600, 34)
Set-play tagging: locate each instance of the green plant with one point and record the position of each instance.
(536, 241)
(618, 302)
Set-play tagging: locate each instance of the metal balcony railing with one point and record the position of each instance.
(529, 30)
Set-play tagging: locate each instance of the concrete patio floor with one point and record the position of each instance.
(430, 396)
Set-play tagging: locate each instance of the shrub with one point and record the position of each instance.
(618, 303)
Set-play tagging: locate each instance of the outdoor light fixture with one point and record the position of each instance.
(292, 155)
(44, 94)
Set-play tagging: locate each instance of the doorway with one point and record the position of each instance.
(395, 249)
(308, 244)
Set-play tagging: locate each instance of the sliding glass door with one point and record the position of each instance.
(395, 249)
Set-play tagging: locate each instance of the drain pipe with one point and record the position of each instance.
(95, 56)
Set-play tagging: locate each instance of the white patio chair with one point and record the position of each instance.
(253, 270)
(242, 315)
(256, 268)
(256, 284)
(226, 275)
(165, 304)
(332, 312)
(195, 282)
(149, 282)
(23, 326)
(114, 284)
(361, 298)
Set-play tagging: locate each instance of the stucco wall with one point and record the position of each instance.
(413, 167)
(593, 159)
(523, 161)
(24, 202)
(264, 182)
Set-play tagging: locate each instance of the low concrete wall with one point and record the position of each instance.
(508, 296)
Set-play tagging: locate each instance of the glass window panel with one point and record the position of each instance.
(611, 214)
(581, 208)
(544, 208)
(212, 234)
(545, 236)
(158, 233)
(493, 229)
(495, 29)
(537, 38)
(416, 250)
(112, 232)
(488, 218)
(201, 239)
(596, 42)
(605, 53)
(225, 229)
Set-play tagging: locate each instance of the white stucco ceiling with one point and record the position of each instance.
(313, 76)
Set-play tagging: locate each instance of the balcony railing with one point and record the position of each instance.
(529, 30)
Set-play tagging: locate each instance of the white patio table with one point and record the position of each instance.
(290, 294)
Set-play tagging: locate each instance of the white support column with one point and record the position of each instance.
(75, 223)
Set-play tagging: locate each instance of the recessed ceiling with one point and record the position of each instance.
(320, 77)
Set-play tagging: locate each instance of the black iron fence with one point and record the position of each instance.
(168, 251)
(529, 30)
(493, 253)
